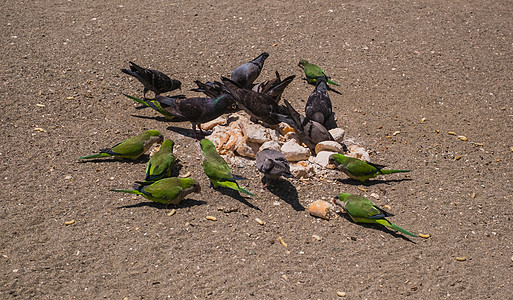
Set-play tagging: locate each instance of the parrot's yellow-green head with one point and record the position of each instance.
(155, 136)
(343, 196)
(336, 159)
(167, 144)
(341, 199)
(207, 145)
(302, 62)
(191, 184)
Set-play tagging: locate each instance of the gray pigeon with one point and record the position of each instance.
(318, 107)
(308, 131)
(274, 87)
(257, 105)
(153, 80)
(196, 110)
(273, 164)
(245, 74)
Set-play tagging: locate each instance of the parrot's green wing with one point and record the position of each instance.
(361, 207)
(359, 168)
(131, 147)
(162, 191)
(161, 163)
(217, 171)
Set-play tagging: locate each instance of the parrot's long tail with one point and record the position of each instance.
(97, 155)
(332, 82)
(234, 186)
(140, 101)
(386, 223)
(127, 191)
(153, 104)
(392, 171)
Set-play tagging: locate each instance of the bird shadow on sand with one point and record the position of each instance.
(183, 204)
(187, 132)
(284, 190)
(235, 195)
(158, 118)
(377, 227)
(141, 159)
(370, 182)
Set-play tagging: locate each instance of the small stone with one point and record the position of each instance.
(338, 134)
(302, 169)
(295, 152)
(257, 134)
(358, 152)
(329, 146)
(323, 157)
(341, 294)
(316, 237)
(273, 145)
(374, 195)
(259, 221)
(244, 150)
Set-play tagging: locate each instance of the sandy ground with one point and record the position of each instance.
(398, 63)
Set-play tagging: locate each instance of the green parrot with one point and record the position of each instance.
(132, 147)
(218, 170)
(161, 162)
(312, 72)
(153, 104)
(166, 191)
(359, 169)
(362, 210)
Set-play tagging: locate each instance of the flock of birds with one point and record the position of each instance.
(261, 102)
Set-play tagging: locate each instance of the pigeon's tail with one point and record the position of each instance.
(129, 72)
(386, 223)
(288, 175)
(97, 155)
(392, 171)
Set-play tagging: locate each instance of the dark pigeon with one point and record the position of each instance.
(274, 87)
(258, 106)
(196, 110)
(308, 131)
(153, 80)
(209, 88)
(244, 75)
(273, 164)
(318, 107)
